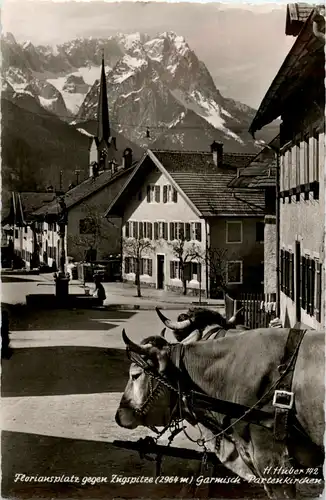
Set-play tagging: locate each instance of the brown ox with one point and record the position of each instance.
(239, 368)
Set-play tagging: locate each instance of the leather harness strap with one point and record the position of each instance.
(284, 397)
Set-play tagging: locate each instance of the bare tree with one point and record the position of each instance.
(93, 231)
(137, 248)
(216, 261)
(186, 253)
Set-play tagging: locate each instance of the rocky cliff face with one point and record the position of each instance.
(153, 83)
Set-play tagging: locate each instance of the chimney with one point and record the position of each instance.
(127, 158)
(217, 152)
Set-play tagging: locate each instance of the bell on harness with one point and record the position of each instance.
(283, 399)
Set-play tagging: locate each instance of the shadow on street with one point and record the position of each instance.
(49, 371)
(21, 318)
(33, 455)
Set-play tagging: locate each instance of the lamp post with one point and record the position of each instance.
(62, 278)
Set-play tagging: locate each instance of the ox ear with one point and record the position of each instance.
(163, 333)
(193, 337)
(158, 356)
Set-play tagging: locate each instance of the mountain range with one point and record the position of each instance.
(160, 96)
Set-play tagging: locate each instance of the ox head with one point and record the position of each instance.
(196, 320)
(146, 401)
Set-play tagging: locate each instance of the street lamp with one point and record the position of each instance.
(62, 278)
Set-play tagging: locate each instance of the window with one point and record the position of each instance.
(149, 230)
(195, 271)
(162, 230)
(287, 273)
(146, 267)
(316, 155)
(87, 226)
(174, 269)
(260, 228)
(153, 194)
(16, 233)
(25, 229)
(234, 232)
(234, 271)
(180, 231)
(130, 265)
(170, 194)
(127, 230)
(172, 231)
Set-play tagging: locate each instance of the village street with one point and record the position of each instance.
(60, 392)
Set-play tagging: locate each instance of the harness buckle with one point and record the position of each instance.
(283, 399)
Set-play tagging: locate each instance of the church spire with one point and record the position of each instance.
(103, 123)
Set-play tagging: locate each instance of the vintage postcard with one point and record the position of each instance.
(163, 282)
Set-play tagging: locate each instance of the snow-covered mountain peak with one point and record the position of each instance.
(8, 37)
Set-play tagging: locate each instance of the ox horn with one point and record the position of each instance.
(132, 346)
(173, 325)
(163, 333)
(233, 319)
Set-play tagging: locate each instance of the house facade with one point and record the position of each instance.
(299, 98)
(179, 203)
(261, 174)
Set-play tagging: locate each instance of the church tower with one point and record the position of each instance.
(103, 143)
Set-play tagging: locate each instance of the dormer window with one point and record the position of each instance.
(170, 194)
(153, 193)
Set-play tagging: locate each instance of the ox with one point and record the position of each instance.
(200, 323)
(238, 368)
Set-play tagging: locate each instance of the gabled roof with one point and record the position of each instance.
(261, 172)
(203, 185)
(22, 205)
(258, 175)
(83, 191)
(305, 58)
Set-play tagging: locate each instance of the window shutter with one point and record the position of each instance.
(303, 282)
(150, 230)
(150, 267)
(155, 231)
(140, 230)
(172, 233)
(157, 194)
(148, 194)
(165, 194)
(198, 231)
(127, 229)
(313, 279)
(318, 291)
(291, 275)
(165, 230)
(175, 196)
(135, 230)
(187, 228)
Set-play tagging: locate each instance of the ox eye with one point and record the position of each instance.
(135, 376)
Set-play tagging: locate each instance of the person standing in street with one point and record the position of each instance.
(99, 292)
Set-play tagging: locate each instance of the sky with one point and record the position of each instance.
(242, 45)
